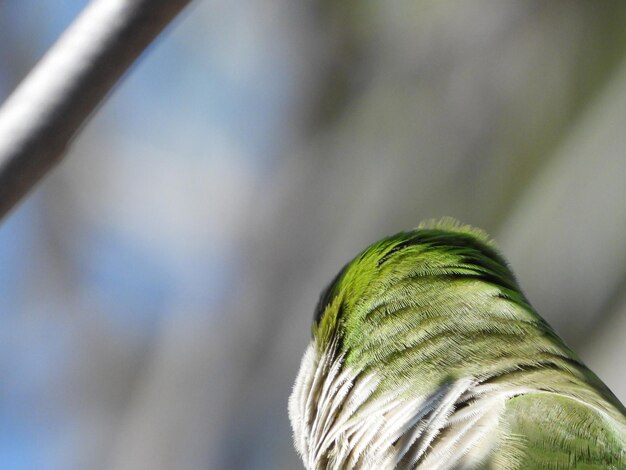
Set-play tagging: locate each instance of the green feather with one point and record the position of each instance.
(422, 313)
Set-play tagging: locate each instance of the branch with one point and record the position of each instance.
(44, 113)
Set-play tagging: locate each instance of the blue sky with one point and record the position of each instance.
(205, 98)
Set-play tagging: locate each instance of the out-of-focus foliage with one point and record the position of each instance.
(156, 291)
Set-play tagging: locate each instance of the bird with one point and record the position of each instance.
(425, 354)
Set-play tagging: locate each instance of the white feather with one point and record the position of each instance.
(339, 424)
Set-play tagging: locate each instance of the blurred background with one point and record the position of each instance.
(156, 290)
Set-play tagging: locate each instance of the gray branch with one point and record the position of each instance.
(44, 113)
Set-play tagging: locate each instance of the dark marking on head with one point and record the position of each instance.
(399, 247)
(466, 245)
(327, 296)
(479, 256)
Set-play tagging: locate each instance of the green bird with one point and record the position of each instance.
(426, 354)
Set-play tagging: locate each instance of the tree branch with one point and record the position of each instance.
(38, 121)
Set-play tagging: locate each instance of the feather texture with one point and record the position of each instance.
(426, 354)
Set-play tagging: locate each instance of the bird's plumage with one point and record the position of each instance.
(426, 354)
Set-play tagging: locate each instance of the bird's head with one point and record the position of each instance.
(417, 327)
